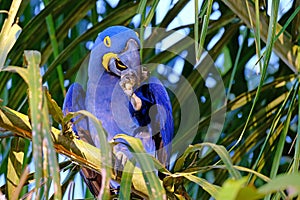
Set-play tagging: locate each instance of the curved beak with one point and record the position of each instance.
(128, 58)
(131, 54)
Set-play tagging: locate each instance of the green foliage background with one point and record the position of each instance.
(259, 138)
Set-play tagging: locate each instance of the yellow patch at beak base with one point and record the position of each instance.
(106, 58)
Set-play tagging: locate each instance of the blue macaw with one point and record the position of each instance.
(119, 95)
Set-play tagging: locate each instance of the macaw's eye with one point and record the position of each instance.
(107, 41)
(120, 65)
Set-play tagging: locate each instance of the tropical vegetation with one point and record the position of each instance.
(231, 73)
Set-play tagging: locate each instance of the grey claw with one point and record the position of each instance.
(128, 81)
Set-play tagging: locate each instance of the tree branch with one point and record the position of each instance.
(78, 150)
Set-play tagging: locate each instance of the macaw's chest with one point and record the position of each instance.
(111, 106)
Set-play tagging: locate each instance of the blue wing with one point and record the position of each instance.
(75, 98)
(156, 116)
(74, 101)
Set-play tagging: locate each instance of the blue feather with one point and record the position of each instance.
(74, 101)
(154, 96)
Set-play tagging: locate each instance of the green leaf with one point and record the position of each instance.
(50, 154)
(23, 72)
(281, 143)
(248, 193)
(54, 109)
(126, 181)
(244, 169)
(9, 42)
(142, 6)
(208, 187)
(203, 30)
(105, 156)
(54, 43)
(32, 60)
(297, 145)
(274, 128)
(237, 189)
(9, 32)
(15, 166)
(235, 63)
(182, 159)
(154, 185)
(289, 182)
(43, 151)
(220, 150)
(151, 13)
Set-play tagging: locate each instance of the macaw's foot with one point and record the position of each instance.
(128, 81)
(120, 161)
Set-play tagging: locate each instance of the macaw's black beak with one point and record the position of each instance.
(130, 57)
(127, 62)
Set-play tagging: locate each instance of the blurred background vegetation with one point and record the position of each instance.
(254, 44)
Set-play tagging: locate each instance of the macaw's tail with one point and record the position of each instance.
(92, 179)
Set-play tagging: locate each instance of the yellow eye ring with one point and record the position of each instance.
(107, 41)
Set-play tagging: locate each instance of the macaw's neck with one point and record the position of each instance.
(106, 85)
(107, 101)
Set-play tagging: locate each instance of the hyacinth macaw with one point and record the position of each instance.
(120, 97)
